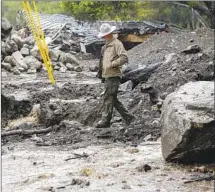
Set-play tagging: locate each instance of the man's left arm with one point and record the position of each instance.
(122, 55)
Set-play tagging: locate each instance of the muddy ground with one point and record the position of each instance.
(113, 155)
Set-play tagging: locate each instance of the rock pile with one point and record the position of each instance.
(21, 55)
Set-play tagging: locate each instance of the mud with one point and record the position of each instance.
(104, 168)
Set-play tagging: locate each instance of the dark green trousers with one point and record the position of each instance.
(111, 101)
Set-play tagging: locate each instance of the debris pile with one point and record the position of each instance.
(177, 58)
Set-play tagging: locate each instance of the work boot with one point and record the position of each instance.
(129, 120)
(102, 124)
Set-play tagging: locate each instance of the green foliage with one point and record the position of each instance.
(107, 10)
(10, 8)
(88, 10)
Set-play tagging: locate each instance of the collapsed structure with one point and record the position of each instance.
(62, 29)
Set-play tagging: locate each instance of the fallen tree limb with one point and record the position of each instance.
(77, 156)
(206, 178)
(25, 132)
(140, 75)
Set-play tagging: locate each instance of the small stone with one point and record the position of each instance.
(31, 71)
(94, 68)
(202, 169)
(126, 186)
(70, 67)
(21, 69)
(25, 51)
(78, 69)
(132, 150)
(192, 49)
(56, 68)
(87, 56)
(6, 66)
(63, 69)
(148, 137)
(191, 40)
(26, 46)
(163, 96)
(159, 104)
(16, 72)
(156, 123)
(10, 59)
(144, 168)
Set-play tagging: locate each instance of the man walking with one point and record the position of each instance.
(113, 56)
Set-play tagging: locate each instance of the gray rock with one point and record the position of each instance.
(32, 62)
(6, 66)
(3, 46)
(11, 46)
(156, 123)
(192, 49)
(68, 58)
(36, 53)
(15, 71)
(21, 69)
(25, 51)
(18, 40)
(29, 41)
(144, 168)
(125, 186)
(19, 59)
(31, 71)
(57, 68)
(6, 28)
(67, 124)
(78, 69)
(5, 24)
(26, 46)
(62, 67)
(187, 121)
(55, 54)
(70, 67)
(94, 68)
(87, 56)
(54, 64)
(125, 86)
(10, 59)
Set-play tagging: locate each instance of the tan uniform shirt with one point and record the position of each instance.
(114, 56)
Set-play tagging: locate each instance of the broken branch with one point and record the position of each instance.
(24, 132)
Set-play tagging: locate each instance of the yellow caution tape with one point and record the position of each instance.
(38, 34)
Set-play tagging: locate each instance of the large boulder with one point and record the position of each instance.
(187, 120)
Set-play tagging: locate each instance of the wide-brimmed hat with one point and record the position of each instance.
(106, 29)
